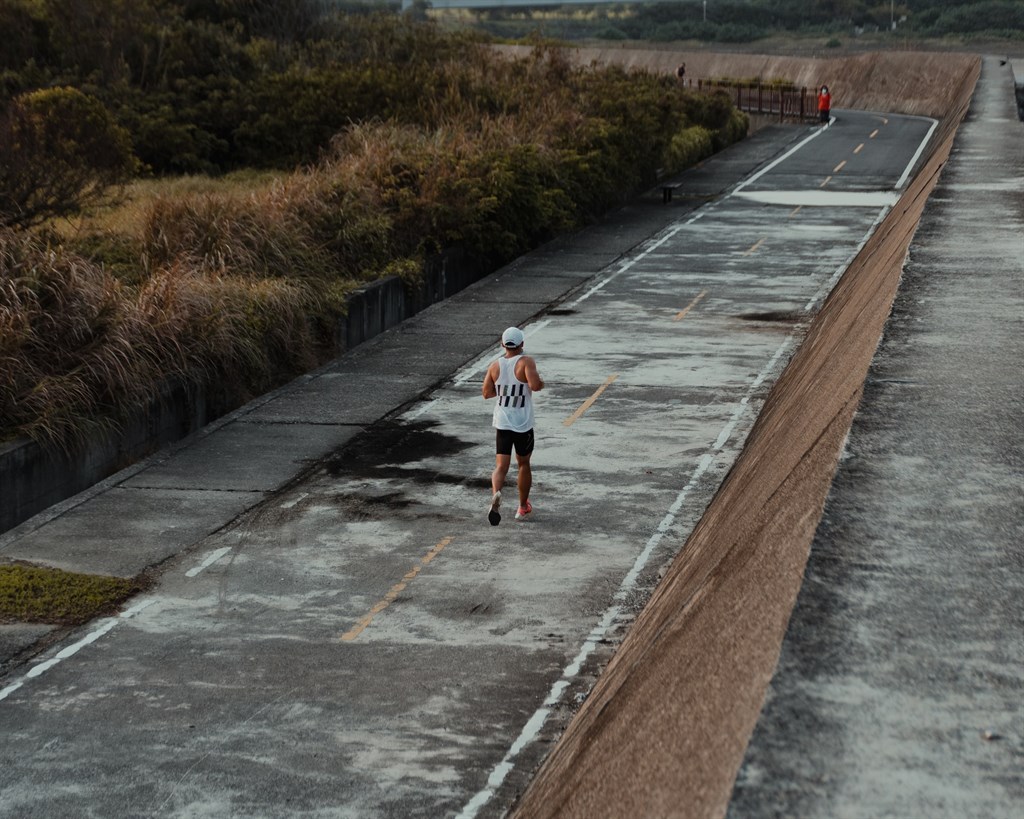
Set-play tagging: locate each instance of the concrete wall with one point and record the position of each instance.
(33, 477)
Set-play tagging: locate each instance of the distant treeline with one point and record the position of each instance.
(749, 20)
(214, 85)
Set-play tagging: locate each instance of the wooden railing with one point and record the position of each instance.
(755, 98)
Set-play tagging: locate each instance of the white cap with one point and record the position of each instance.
(513, 337)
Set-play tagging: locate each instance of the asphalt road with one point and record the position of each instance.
(336, 630)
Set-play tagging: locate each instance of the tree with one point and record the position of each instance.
(59, 151)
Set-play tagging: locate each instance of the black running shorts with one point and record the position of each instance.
(506, 439)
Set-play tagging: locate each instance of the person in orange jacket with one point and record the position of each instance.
(824, 104)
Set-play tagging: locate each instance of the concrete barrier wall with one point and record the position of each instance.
(33, 477)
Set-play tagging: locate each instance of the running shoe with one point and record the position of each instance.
(493, 515)
(523, 511)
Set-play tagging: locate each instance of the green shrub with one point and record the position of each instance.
(688, 147)
(60, 150)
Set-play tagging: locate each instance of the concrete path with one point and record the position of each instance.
(900, 689)
(335, 629)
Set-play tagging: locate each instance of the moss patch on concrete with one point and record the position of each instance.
(31, 594)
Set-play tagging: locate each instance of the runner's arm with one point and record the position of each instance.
(489, 390)
(532, 376)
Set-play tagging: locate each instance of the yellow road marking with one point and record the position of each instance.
(755, 246)
(393, 593)
(839, 167)
(859, 148)
(827, 180)
(873, 134)
(682, 313)
(572, 419)
(795, 211)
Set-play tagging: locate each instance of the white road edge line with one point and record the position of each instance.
(213, 557)
(754, 177)
(920, 149)
(105, 626)
(536, 722)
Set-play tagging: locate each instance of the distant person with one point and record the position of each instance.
(824, 104)
(512, 380)
(681, 72)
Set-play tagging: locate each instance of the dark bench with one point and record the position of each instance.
(667, 191)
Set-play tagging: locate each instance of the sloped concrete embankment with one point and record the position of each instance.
(664, 731)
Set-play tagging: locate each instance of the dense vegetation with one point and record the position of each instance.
(739, 21)
(399, 142)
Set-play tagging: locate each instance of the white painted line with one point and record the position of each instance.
(534, 725)
(917, 155)
(5, 693)
(105, 626)
(818, 198)
(668, 234)
(622, 269)
(751, 180)
(213, 557)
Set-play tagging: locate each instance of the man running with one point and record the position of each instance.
(512, 380)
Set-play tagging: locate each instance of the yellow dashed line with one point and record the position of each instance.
(754, 246)
(859, 148)
(393, 593)
(873, 134)
(795, 211)
(682, 313)
(572, 419)
(839, 167)
(827, 180)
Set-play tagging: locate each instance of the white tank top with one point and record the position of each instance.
(513, 406)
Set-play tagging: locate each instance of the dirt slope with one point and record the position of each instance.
(898, 81)
(665, 728)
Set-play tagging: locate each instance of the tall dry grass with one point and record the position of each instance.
(240, 286)
(79, 349)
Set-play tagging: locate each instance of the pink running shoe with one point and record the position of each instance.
(524, 511)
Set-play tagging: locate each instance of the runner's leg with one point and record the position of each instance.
(525, 479)
(501, 465)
